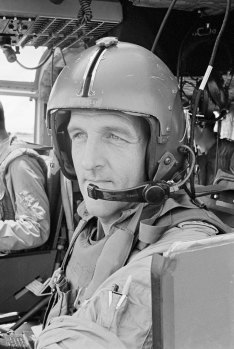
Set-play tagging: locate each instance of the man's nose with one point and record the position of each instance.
(93, 155)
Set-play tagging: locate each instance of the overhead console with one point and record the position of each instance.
(56, 23)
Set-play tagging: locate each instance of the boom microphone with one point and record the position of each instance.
(152, 193)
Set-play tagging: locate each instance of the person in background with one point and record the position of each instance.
(118, 125)
(213, 153)
(24, 205)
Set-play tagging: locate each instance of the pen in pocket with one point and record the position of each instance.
(124, 291)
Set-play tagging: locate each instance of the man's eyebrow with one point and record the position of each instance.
(119, 129)
(71, 128)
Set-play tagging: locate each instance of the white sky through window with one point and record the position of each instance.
(19, 116)
(20, 111)
(29, 56)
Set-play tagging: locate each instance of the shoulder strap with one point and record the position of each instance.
(17, 148)
(151, 233)
(201, 215)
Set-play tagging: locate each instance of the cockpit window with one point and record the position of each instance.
(19, 116)
(29, 57)
(18, 91)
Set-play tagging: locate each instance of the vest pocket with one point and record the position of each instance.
(104, 308)
(61, 306)
(132, 318)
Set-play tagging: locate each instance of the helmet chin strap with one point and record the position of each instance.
(149, 192)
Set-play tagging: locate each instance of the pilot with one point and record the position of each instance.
(24, 205)
(118, 127)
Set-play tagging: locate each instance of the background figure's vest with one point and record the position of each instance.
(6, 208)
(14, 151)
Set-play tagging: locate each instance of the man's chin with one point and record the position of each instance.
(102, 208)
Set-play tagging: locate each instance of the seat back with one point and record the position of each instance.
(37, 264)
(23, 269)
(222, 204)
(55, 200)
(192, 295)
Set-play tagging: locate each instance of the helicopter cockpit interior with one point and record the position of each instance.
(194, 38)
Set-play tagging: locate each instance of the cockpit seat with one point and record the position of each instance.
(18, 270)
(192, 295)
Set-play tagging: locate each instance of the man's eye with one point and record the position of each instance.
(78, 136)
(113, 137)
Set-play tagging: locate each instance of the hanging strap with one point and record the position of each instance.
(114, 254)
(67, 200)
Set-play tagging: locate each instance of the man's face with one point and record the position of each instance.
(108, 150)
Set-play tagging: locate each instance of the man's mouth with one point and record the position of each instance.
(99, 183)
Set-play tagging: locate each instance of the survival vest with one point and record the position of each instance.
(92, 264)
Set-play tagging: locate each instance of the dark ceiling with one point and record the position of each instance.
(188, 35)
